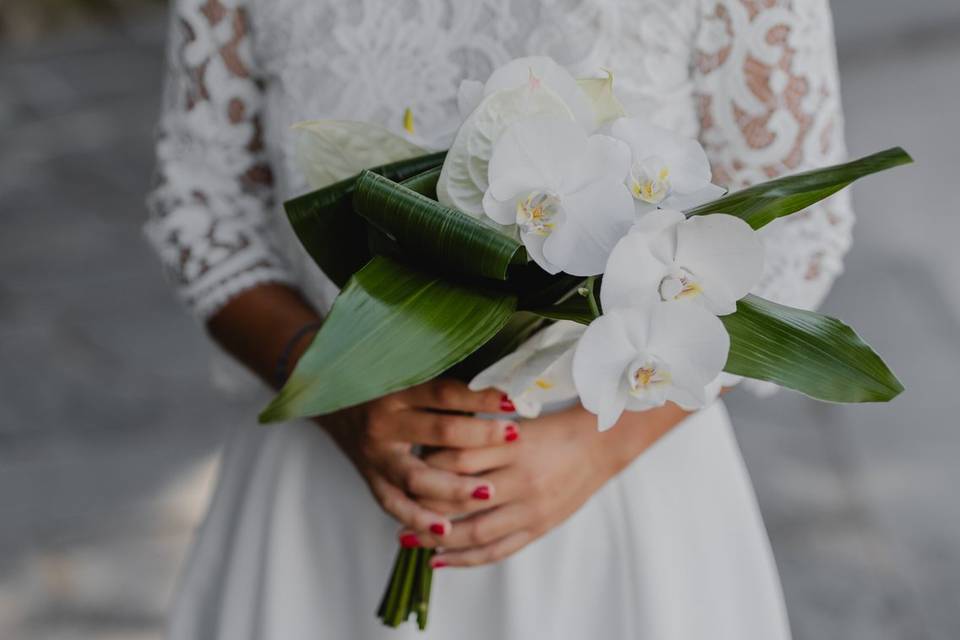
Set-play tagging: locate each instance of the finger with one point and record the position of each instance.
(420, 480)
(406, 510)
(472, 461)
(487, 554)
(453, 395)
(447, 430)
(485, 528)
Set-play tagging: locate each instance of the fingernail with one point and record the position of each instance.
(506, 404)
(409, 541)
(437, 563)
(438, 529)
(511, 433)
(481, 493)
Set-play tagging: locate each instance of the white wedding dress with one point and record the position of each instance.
(293, 546)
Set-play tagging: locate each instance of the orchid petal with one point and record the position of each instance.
(685, 202)
(597, 216)
(725, 254)
(463, 179)
(599, 363)
(535, 153)
(637, 263)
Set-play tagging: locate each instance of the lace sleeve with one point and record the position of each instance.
(208, 214)
(767, 92)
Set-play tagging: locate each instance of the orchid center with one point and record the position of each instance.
(538, 213)
(650, 180)
(679, 284)
(646, 374)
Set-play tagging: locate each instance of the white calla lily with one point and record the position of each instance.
(564, 190)
(637, 359)
(665, 166)
(328, 151)
(539, 70)
(606, 106)
(712, 260)
(519, 89)
(539, 372)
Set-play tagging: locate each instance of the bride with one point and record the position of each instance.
(648, 531)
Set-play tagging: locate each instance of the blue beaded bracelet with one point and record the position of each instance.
(280, 375)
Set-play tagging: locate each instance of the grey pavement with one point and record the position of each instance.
(109, 425)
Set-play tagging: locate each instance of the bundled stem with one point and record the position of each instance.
(408, 590)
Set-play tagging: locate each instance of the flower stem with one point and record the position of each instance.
(408, 590)
(592, 297)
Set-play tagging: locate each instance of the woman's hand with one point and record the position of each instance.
(557, 463)
(379, 437)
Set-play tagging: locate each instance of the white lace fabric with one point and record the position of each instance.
(755, 79)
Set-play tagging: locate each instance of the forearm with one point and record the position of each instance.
(257, 326)
(638, 431)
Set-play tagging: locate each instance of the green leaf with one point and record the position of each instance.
(765, 202)
(438, 236)
(330, 231)
(806, 351)
(392, 327)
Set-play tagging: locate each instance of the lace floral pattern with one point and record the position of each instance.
(768, 102)
(755, 78)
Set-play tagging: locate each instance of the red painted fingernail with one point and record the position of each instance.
(511, 433)
(481, 493)
(437, 564)
(506, 404)
(409, 541)
(438, 529)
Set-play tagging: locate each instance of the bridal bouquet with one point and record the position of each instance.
(561, 249)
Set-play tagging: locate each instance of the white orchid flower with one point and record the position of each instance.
(637, 359)
(564, 190)
(667, 169)
(520, 89)
(713, 260)
(539, 372)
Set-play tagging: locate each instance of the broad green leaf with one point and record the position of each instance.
(806, 351)
(441, 237)
(330, 231)
(521, 326)
(328, 151)
(765, 202)
(392, 327)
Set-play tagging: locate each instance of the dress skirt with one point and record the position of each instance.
(295, 548)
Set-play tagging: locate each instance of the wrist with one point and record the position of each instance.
(636, 432)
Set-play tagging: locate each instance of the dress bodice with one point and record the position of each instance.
(755, 81)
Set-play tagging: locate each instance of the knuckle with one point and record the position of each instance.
(462, 461)
(377, 427)
(479, 534)
(390, 504)
(446, 392)
(447, 429)
(414, 480)
(367, 449)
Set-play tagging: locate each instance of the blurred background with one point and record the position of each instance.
(108, 444)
